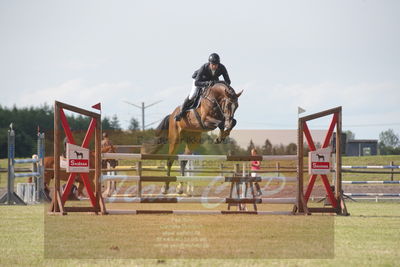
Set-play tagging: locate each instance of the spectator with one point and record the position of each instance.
(255, 166)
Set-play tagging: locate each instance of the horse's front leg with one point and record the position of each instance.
(221, 127)
(179, 187)
(225, 132)
(165, 188)
(221, 136)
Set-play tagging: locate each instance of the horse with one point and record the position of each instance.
(49, 174)
(107, 147)
(216, 109)
(49, 171)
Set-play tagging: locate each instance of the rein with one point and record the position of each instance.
(214, 101)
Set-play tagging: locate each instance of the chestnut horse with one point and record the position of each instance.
(49, 173)
(217, 107)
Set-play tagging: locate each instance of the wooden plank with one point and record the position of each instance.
(237, 212)
(198, 212)
(97, 149)
(158, 200)
(127, 198)
(321, 114)
(130, 156)
(77, 110)
(154, 211)
(244, 158)
(300, 170)
(158, 178)
(279, 157)
(81, 209)
(134, 156)
(159, 157)
(55, 203)
(338, 167)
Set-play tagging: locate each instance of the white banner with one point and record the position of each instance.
(77, 158)
(319, 161)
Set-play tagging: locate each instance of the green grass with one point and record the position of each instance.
(369, 237)
(369, 161)
(3, 175)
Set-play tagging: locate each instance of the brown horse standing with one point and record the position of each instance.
(49, 174)
(217, 108)
(49, 170)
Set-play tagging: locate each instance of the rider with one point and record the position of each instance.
(106, 144)
(204, 77)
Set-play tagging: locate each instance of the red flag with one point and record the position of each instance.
(97, 106)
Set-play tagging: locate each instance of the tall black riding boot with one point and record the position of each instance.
(184, 108)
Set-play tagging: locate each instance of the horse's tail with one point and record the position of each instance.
(160, 140)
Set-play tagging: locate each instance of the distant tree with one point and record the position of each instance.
(79, 123)
(349, 135)
(389, 138)
(278, 150)
(291, 149)
(306, 149)
(250, 146)
(115, 123)
(389, 143)
(106, 123)
(133, 124)
(266, 149)
(234, 148)
(26, 122)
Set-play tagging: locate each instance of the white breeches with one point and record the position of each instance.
(193, 91)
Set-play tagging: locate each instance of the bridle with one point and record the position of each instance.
(214, 101)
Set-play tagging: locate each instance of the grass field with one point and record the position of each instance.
(369, 237)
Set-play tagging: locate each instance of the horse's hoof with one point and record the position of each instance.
(164, 190)
(179, 192)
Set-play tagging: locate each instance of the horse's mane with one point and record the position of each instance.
(228, 89)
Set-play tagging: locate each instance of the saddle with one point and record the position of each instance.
(195, 103)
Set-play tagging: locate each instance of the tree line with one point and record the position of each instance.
(27, 121)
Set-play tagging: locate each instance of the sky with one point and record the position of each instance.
(283, 54)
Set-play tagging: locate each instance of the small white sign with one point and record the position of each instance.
(319, 161)
(77, 158)
(63, 162)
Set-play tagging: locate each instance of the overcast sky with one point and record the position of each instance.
(284, 54)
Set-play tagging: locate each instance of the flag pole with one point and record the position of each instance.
(98, 107)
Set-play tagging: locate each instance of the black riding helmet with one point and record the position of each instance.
(213, 58)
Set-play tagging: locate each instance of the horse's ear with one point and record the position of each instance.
(238, 94)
